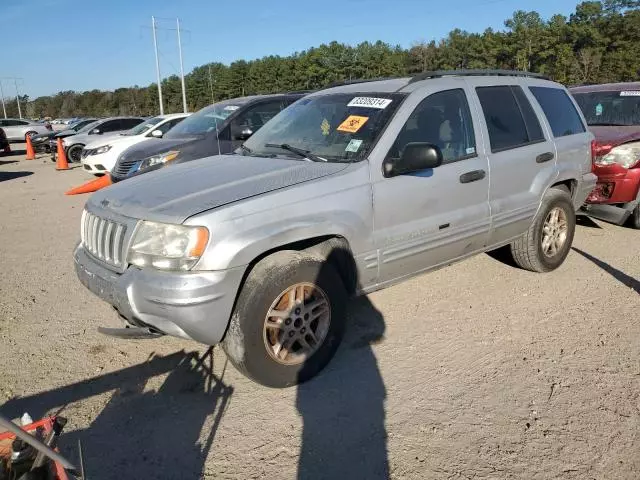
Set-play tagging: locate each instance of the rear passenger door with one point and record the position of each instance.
(573, 141)
(521, 158)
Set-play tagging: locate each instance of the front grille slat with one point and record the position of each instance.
(103, 238)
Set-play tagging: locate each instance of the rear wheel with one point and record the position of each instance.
(74, 153)
(288, 320)
(634, 220)
(546, 244)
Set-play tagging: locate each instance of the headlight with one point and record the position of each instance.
(158, 159)
(102, 149)
(167, 247)
(626, 155)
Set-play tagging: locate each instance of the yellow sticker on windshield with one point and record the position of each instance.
(325, 127)
(352, 124)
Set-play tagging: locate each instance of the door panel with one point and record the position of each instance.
(433, 216)
(521, 158)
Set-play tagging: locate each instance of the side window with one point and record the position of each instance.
(511, 121)
(165, 127)
(256, 116)
(127, 123)
(11, 123)
(109, 126)
(559, 110)
(444, 120)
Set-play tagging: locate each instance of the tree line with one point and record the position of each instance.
(598, 43)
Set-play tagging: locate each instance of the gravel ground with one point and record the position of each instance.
(476, 371)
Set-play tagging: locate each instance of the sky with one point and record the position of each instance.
(55, 45)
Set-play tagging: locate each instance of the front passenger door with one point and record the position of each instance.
(429, 218)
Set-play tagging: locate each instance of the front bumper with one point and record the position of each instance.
(585, 187)
(191, 305)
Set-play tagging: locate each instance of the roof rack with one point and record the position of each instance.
(476, 73)
(360, 80)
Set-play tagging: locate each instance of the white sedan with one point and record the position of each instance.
(100, 156)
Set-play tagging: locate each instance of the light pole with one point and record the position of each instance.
(184, 92)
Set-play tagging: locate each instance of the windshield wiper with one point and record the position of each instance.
(246, 149)
(306, 154)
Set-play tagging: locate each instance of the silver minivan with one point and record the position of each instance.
(349, 190)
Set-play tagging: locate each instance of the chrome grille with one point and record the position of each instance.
(103, 238)
(123, 167)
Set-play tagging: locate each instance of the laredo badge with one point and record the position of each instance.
(325, 127)
(352, 124)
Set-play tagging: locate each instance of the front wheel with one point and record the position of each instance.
(288, 321)
(546, 244)
(74, 153)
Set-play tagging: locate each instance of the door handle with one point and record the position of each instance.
(545, 157)
(473, 176)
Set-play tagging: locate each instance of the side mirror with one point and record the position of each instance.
(415, 157)
(157, 133)
(95, 131)
(242, 133)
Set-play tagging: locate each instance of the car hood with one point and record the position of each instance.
(115, 140)
(615, 135)
(85, 138)
(176, 193)
(154, 146)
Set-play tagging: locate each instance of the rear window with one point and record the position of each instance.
(511, 121)
(559, 110)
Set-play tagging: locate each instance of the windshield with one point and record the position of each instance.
(144, 126)
(336, 127)
(88, 127)
(205, 120)
(610, 108)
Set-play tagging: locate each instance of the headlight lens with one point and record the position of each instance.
(167, 247)
(158, 159)
(102, 149)
(626, 155)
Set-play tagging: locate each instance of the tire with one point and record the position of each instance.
(634, 219)
(74, 153)
(528, 252)
(251, 346)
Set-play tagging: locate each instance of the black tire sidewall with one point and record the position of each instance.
(635, 217)
(555, 198)
(260, 290)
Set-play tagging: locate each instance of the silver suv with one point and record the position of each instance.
(349, 190)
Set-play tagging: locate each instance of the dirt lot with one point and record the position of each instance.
(477, 371)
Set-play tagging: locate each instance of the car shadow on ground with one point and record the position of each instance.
(141, 432)
(7, 162)
(5, 176)
(614, 272)
(343, 408)
(585, 221)
(14, 152)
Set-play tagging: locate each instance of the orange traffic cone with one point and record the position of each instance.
(91, 186)
(31, 153)
(62, 163)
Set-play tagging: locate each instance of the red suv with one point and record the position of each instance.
(613, 114)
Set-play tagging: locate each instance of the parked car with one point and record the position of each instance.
(347, 191)
(99, 156)
(17, 129)
(106, 127)
(4, 143)
(216, 129)
(613, 115)
(42, 142)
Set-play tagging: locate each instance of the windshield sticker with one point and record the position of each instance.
(353, 146)
(632, 93)
(599, 110)
(325, 127)
(369, 102)
(352, 124)
(231, 108)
